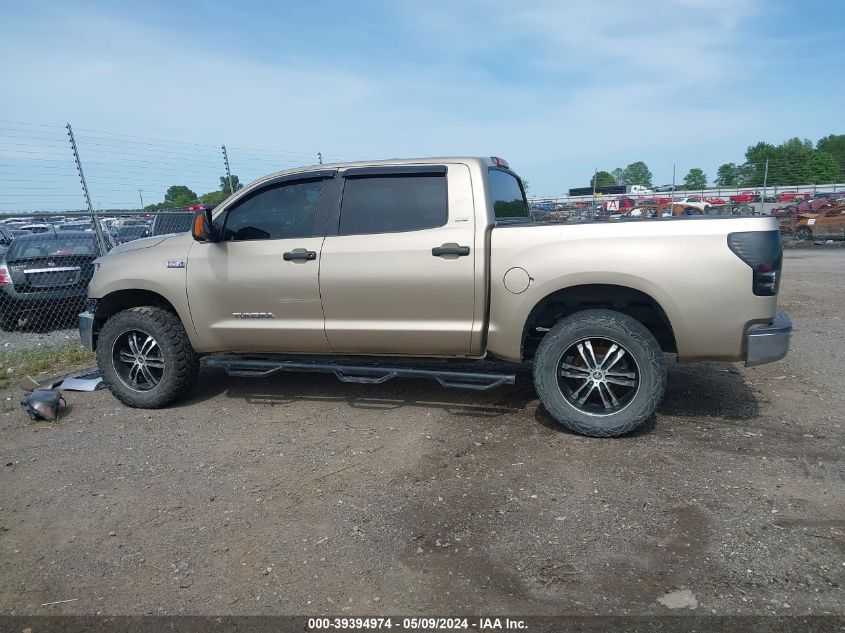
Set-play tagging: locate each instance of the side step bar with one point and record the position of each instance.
(259, 367)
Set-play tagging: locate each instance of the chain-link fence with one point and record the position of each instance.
(69, 196)
(47, 260)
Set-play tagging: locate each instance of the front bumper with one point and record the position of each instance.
(768, 343)
(86, 330)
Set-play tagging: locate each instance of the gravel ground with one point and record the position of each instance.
(302, 495)
(20, 340)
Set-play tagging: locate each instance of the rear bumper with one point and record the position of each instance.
(48, 301)
(86, 330)
(768, 343)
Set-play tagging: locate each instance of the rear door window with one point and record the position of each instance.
(393, 204)
(508, 199)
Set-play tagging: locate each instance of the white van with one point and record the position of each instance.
(639, 189)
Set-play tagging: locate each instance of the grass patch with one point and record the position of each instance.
(33, 361)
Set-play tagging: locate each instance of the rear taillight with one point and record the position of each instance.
(5, 275)
(763, 252)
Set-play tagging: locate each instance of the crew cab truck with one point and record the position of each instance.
(362, 269)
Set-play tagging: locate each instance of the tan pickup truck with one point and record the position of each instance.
(364, 269)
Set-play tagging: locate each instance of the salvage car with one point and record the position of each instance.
(829, 224)
(745, 196)
(43, 275)
(694, 201)
(362, 270)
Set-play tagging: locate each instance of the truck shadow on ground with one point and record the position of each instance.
(710, 390)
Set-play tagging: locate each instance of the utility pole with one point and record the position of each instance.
(593, 203)
(765, 180)
(98, 230)
(141, 195)
(320, 157)
(672, 195)
(228, 171)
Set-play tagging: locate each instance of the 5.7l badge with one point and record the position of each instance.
(176, 263)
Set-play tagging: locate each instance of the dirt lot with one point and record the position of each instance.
(299, 494)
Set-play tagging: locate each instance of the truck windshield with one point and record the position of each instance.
(508, 199)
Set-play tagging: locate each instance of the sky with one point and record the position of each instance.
(556, 88)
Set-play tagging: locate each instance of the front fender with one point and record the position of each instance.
(160, 269)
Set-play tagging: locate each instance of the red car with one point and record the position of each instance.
(789, 196)
(744, 196)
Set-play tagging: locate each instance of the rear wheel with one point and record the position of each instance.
(600, 373)
(146, 358)
(804, 233)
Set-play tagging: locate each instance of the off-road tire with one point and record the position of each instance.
(804, 234)
(181, 361)
(630, 334)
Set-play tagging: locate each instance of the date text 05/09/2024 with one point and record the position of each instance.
(416, 624)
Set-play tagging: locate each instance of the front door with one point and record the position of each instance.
(257, 289)
(398, 274)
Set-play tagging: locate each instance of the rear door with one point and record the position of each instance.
(397, 273)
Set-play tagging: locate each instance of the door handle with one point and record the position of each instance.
(300, 255)
(450, 249)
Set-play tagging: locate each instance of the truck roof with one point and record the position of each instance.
(489, 161)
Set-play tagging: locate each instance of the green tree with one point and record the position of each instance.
(618, 176)
(728, 175)
(179, 196)
(695, 179)
(820, 169)
(785, 162)
(634, 174)
(214, 197)
(525, 185)
(602, 179)
(835, 146)
(755, 163)
(224, 184)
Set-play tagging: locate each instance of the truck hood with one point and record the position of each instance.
(135, 245)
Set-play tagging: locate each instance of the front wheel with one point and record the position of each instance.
(146, 358)
(600, 373)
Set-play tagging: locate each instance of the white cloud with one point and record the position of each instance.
(557, 88)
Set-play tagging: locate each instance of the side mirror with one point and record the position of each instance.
(203, 227)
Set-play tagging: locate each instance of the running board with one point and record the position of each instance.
(254, 367)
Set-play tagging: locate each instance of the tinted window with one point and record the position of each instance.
(508, 201)
(275, 213)
(53, 246)
(392, 204)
